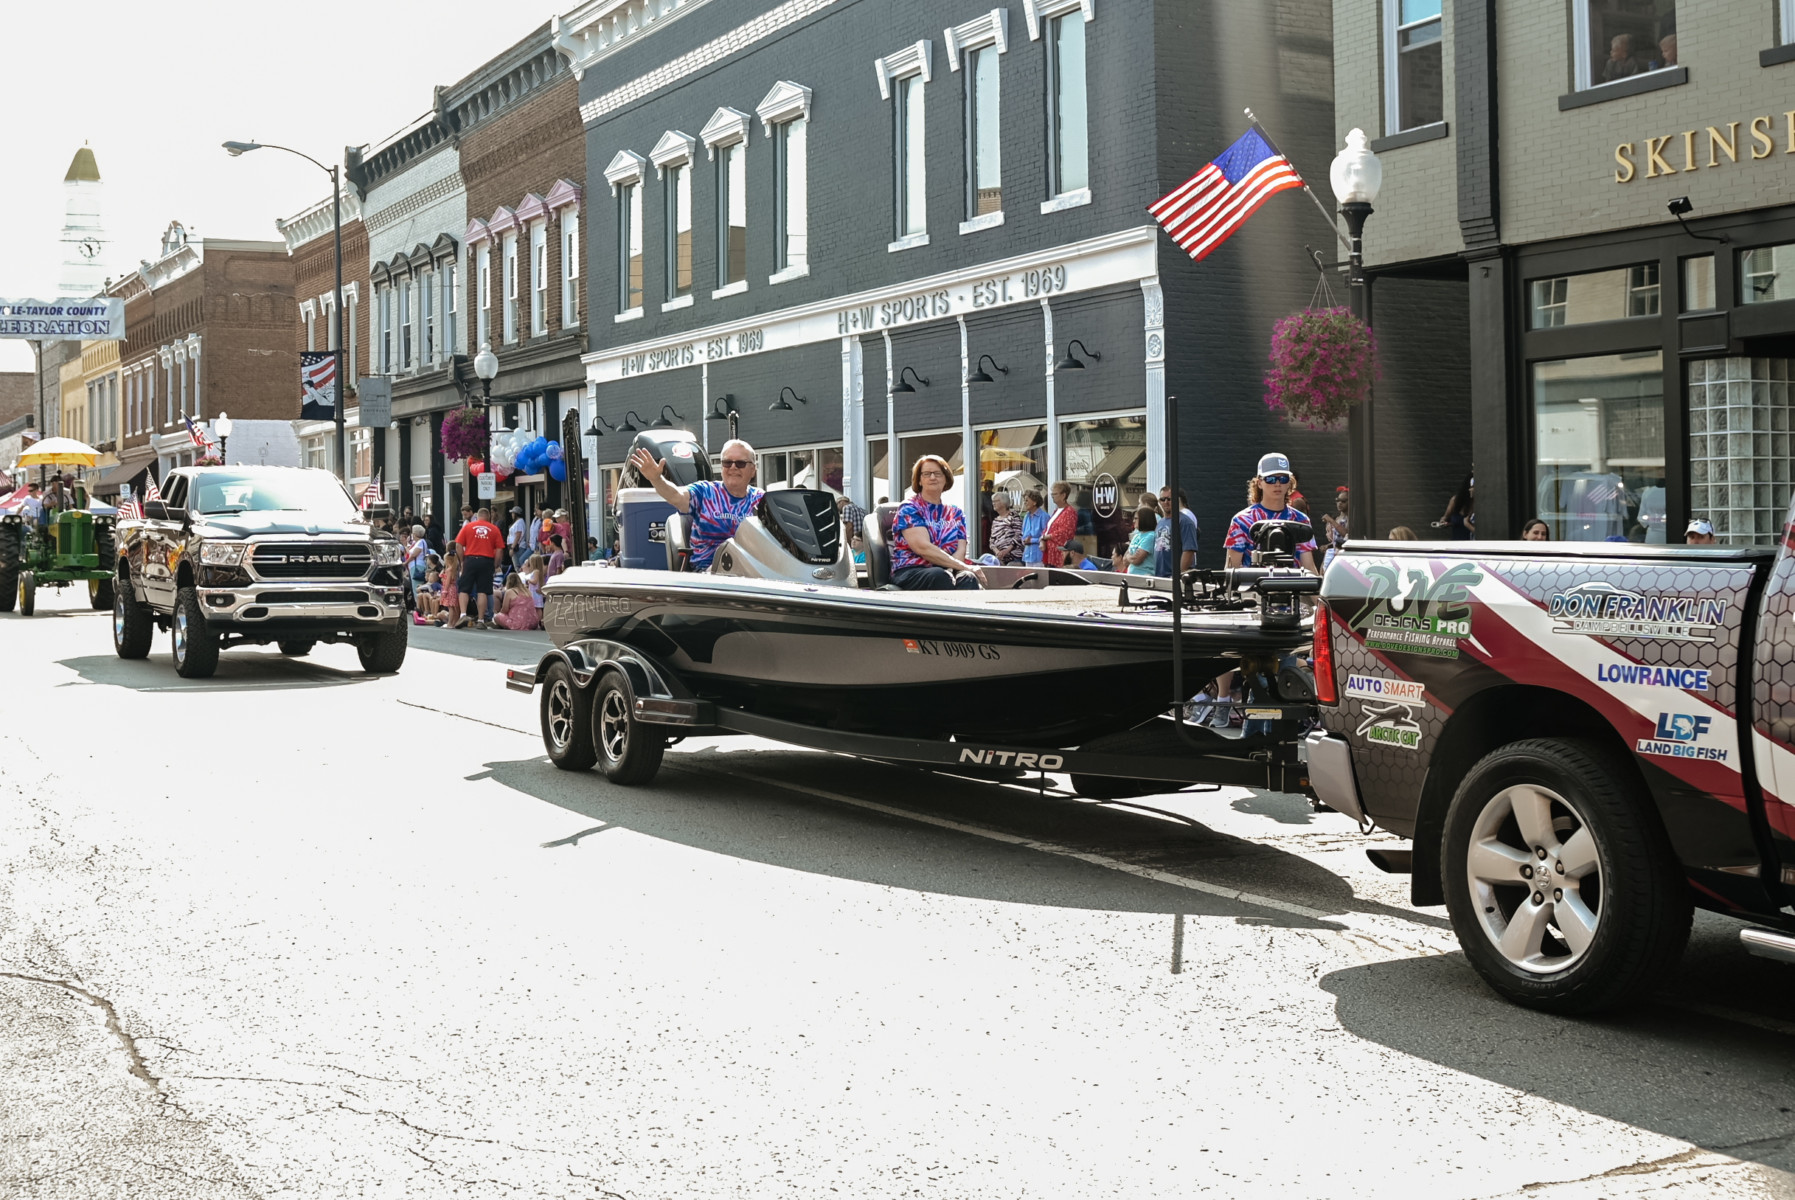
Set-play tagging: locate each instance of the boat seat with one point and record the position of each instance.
(876, 535)
(678, 536)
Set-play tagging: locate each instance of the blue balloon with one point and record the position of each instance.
(554, 451)
(557, 471)
(539, 445)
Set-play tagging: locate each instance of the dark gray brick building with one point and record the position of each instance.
(831, 215)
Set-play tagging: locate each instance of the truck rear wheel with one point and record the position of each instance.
(383, 653)
(1559, 879)
(131, 627)
(629, 752)
(195, 642)
(567, 720)
(27, 593)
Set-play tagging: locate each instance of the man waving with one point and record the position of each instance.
(716, 508)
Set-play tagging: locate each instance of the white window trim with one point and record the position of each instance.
(633, 314)
(790, 273)
(539, 281)
(570, 263)
(675, 149)
(730, 289)
(1392, 78)
(626, 167)
(788, 101)
(1072, 199)
(908, 243)
(726, 127)
(914, 59)
(989, 221)
(992, 29)
(1785, 31)
(1580, 51)
(684, 301)
(1038, 12)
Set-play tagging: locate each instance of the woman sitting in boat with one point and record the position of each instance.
(928, 547)
(717, 509)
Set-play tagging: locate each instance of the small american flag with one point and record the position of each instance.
(129, 509)
(1205, 210)
(371, 494)
(151, 491)
(197, 434)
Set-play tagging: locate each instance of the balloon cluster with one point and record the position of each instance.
(517, 453)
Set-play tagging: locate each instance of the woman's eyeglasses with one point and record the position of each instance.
(931, 475)
(742, 463)
(1276, 480)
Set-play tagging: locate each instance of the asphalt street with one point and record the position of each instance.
(298, 931)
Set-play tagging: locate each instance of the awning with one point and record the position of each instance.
(111, 480)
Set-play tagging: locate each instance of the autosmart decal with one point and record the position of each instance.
(1375, 687)
(1390, 724)
(1412, 612)
(1683, 735)
(1603, 610)
(1688, 679)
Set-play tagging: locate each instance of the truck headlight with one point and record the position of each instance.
(388, 554)
(222, 554)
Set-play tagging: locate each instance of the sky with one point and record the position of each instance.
(154, 88)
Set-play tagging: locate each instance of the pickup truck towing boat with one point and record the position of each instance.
(1583, 740)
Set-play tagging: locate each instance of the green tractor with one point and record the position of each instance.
(71, 546)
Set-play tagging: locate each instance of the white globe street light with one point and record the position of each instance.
(223, 427)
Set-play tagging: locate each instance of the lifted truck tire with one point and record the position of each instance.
(99, 594)
(296, 647)
(132, 628)
(11, 555)
(383, 653)
(567, 720)
(195, 642)
(1560, 879)
(629, 752)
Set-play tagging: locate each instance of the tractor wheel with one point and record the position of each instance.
(27, 593)
(99, 594)
(11, 554)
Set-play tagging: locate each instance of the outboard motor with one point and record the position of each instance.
(641, 513)
(793, 534)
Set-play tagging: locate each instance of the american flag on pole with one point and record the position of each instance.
(129, 509)
(371, 495)
(1205, 210)
(195, 433)
(150, 490)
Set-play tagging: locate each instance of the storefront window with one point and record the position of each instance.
(878, 458)
(1012, 460)
(1764, 274)
(818, 467)
(1698, 283)
(1599, 442)
(1106, 462)
(1595, 296)
(914, 446)
(1739, 446)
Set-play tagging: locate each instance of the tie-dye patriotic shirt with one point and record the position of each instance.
(1240, 530)
(715, 515)
(945, 523)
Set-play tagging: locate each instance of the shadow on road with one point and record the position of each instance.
(237, 672)
(732, 802)
(1722, 1085)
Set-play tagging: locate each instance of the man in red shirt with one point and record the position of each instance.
(480, 541)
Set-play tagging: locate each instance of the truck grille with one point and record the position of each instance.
(311, 560)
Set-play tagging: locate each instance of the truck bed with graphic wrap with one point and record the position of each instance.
(1584, 741)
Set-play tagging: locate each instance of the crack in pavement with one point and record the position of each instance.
(138, 1067)
(464, 717)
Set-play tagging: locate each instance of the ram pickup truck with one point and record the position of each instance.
(1584, 741)
(244, 555)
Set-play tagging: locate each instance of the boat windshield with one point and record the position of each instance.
(272, 491)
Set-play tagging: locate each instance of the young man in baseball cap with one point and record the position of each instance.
(1699, 533)
(1268, 499)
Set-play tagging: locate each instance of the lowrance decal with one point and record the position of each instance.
(1603, 610)
(1683, 735)
(1687, 679)
(1375, 687)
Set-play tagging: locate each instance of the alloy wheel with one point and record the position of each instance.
(613, 725)
(180, 633)
(561, 713)
(1536, 878)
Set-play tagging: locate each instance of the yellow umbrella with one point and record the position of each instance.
(996, 455)
(59, 452)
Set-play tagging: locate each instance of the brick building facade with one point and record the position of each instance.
(880, 230)
(310, 238)
(209, 328)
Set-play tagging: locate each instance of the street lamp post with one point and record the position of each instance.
(223, 426)
(486, 368)
(238, 149)
(1356, 176)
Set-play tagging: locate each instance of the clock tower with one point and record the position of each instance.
(85, 249)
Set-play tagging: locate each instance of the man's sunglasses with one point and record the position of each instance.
(1274, 479)
(743, 463)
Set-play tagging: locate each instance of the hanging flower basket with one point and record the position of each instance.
(464, 433)
(208, 460)
(1323, 361)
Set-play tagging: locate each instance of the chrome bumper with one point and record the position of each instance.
(1331, 774)
(352, 602)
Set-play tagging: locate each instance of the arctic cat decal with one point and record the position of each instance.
(1391, 724)
(1411, 612)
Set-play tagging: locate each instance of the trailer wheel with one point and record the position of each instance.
(628, 751)
(1560, 880)
(567, 725)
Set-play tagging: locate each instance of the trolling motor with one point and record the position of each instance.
(1273, 583)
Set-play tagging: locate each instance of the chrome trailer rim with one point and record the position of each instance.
(613, 725)
(1536, 879)
(560, 714)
